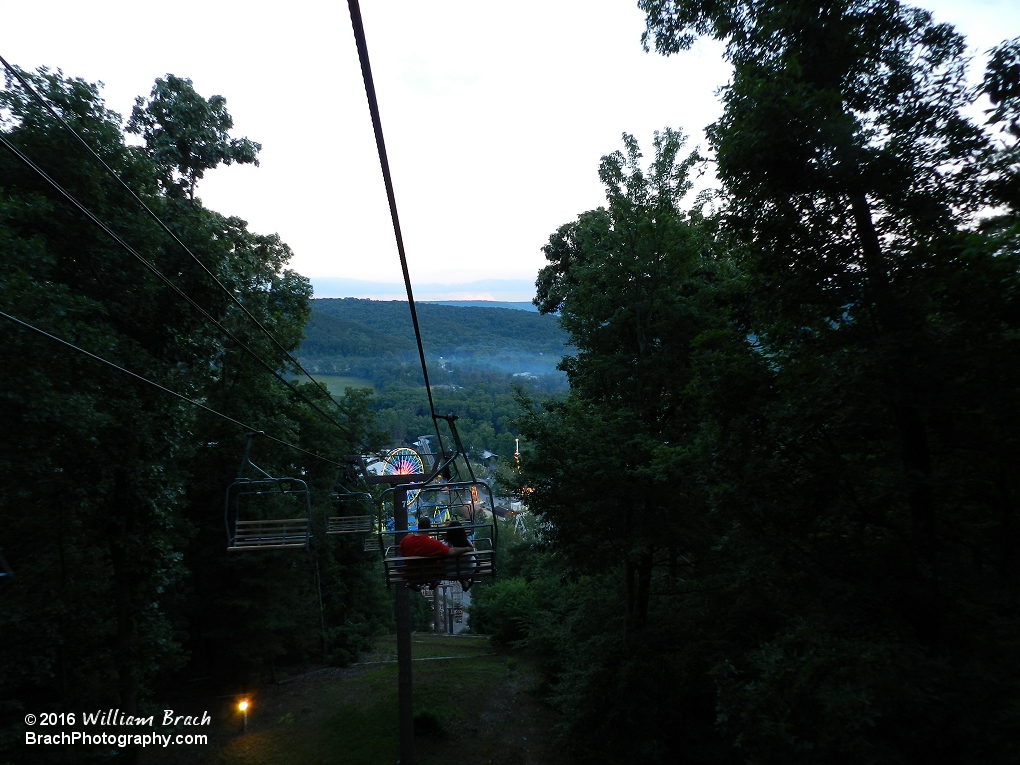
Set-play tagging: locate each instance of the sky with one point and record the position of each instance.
(495, 117)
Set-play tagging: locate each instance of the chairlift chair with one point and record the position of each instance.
(280, 518)
(346, 506)
(442, 503)
(438, 568)
(345, 522)
(436, 496)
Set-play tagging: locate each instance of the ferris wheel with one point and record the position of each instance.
(404, 461)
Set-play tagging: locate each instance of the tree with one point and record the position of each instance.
(185, 134)
(95, 518)
(648, 294)
(637, 286)
(1002, 86)
(111, 504)
(821, 420)
(856, 182)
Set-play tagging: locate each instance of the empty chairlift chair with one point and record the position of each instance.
(266, 513)
(350, 511)
(347, 516)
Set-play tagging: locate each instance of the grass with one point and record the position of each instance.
(473, 705)
(336, 384)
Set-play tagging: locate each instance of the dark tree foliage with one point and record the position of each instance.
(111, 503)
(186, 134)
(786, 530)
(1002, 86)
(646, 292)
(485, 405)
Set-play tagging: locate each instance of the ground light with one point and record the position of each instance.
(243, 706)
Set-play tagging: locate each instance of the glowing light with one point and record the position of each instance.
(243, 706)
(404, 461)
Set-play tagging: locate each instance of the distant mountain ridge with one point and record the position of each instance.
(516, 306)
(357, 336)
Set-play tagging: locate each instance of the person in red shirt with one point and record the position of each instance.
(418, 544)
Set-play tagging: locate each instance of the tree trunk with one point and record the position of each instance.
(123, 581)
(644, 589)
(915, 453)
(631, 599)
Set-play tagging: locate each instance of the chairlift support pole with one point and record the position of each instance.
(437, 612)
(401, 484)
(405, 697)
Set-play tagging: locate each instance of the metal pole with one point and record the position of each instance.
(405, 699)
(450, 606)
(449, 609)
(437, 619)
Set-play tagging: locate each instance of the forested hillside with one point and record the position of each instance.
(329, 337)
(478, 357)
(364, 338)
(453, 329)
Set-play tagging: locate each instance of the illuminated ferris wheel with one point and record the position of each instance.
(404, 461)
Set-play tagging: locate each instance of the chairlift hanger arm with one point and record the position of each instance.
(451, 420)
(5, 570)
(246, 460)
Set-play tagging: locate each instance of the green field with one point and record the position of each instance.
(336, 384)
(474, 705)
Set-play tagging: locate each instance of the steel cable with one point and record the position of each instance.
(200, 405)
(373, 107)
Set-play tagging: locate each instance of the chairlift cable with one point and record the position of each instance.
(154, 384)
(373, 107)
(14, 150)
(159, 221)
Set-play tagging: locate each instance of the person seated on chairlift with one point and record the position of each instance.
(419, 544)
(457, 538)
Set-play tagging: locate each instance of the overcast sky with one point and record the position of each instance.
(495, 116)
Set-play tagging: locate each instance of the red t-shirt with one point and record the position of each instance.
(411, 546)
